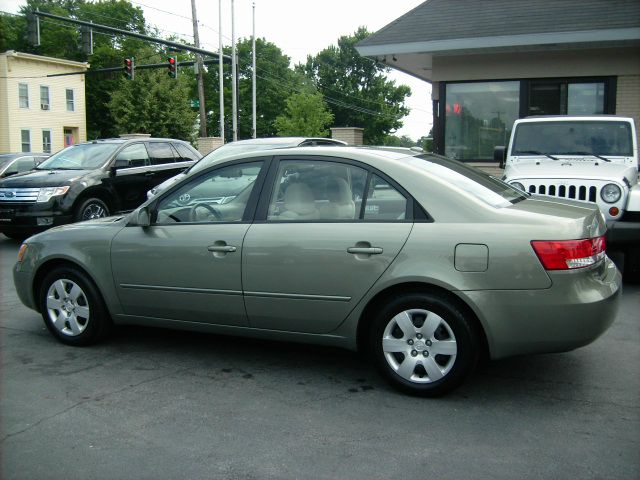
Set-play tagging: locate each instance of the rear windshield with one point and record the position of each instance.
(573, 138)
(481, 185)
(85, 156)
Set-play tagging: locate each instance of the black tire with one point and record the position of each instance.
(89, 209)
(631, 270)
(454, 332)
(75, 317)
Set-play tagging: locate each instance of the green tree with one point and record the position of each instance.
(276, 81)
(154, 104)
(62, 40)
(305, 115)
(395, 141)
(358, 92)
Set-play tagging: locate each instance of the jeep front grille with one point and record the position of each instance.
(19, 195)
(576, 192)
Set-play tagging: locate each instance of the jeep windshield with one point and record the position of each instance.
(84, 156)
(583, 138)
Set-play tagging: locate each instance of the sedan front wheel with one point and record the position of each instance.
(423, 344)
(72, 307)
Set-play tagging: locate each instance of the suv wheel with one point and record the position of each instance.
(91, 208)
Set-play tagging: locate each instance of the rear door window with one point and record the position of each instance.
(161, 152)
(185, 154)
(384, 202)
(315, 190)
(136, 155)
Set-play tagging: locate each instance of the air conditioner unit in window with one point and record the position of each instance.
(44, 106)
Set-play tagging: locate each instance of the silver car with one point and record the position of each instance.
(424, 263)
(243, 146)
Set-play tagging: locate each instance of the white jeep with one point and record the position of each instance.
(589, 159)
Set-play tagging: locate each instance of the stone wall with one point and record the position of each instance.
(209, 144)
(351, 135)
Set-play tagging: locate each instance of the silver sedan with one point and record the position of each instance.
(420, 261)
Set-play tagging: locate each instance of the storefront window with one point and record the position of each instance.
(479, 116)
(565, 97)
(585, 99)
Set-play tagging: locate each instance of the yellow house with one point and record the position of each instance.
(38, 112)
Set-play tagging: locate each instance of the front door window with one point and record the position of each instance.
(218, 196)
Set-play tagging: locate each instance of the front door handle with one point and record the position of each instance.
(222, 248)
(365, 250)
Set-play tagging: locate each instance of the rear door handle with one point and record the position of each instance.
(365, 250)
(149, 174)
(222, 248)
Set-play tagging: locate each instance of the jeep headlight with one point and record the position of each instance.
(46, 193)
(518, 185)
(610, 193)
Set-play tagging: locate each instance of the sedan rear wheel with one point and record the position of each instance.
(423, 344)
(72, 308)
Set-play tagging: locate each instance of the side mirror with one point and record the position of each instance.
(143, 218)
(500, 155)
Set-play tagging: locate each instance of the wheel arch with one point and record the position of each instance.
(100, 193)
(51, 265)
(368, 313)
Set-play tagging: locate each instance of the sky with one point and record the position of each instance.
(298, 27)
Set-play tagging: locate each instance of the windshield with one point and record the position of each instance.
(573, 138)
(231, 149)
(85, 156)
(481, 185)
(6, 159)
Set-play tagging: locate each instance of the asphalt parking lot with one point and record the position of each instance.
(154, 404)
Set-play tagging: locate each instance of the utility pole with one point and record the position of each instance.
(196, 38)
(220, 71)
(234, 66)
(253, 86)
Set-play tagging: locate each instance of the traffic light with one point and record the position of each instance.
(33, 29)
(129, 68)
(173, 67)
(86, 36)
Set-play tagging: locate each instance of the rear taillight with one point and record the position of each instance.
(569, 254)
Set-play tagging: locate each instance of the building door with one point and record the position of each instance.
(68, 137)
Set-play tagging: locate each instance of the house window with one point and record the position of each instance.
(479, 116)
(23, 94)
(44, 97)
(26, 140)
(71, 104)
(566, 97)
(46, 141)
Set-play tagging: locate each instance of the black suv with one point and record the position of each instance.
(89, 180)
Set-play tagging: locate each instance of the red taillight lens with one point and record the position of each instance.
(569, 254)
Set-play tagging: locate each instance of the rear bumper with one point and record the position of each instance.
(578, 308)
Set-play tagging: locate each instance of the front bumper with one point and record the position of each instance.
(578, 308)
(23, 217)
(622, 233)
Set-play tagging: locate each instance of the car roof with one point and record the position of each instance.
(285, 141)
(349, 152)
(129, 140)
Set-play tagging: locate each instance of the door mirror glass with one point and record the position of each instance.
(143, 218)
